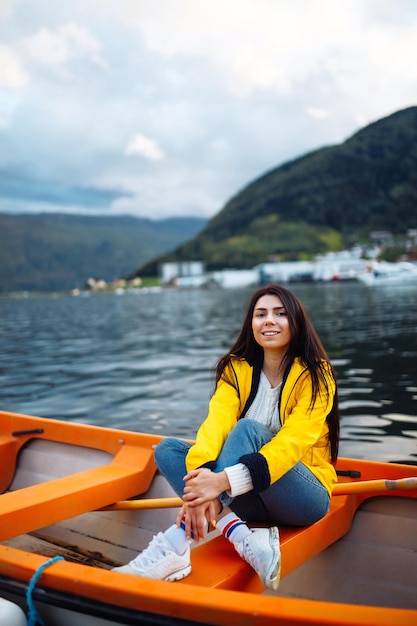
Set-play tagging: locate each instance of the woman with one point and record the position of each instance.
(266, 450)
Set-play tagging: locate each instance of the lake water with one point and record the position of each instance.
(144, 362)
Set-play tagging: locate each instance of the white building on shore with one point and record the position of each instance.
(171, 273)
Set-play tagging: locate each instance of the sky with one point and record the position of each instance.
(161, 108)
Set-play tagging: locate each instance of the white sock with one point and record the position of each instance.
(233, 528)
(176, 537)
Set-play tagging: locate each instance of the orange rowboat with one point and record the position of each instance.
(76, 500)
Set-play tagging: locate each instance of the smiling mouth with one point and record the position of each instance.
(270, 333)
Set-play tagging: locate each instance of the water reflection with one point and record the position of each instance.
(145, 362)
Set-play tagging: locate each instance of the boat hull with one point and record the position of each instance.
(62, 501)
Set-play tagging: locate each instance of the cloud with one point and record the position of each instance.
(5, 8)
(66, 43)
(145, 147)
(274, 46)
(317, 112)
(12, 74)
(171, 107)
(18, 189)
(241, 43)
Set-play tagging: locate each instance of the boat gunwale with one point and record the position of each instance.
(222, 607)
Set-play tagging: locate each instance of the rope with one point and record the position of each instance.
(33, 615)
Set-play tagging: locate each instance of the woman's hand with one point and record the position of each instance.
(201, 506)
(196, 518)
(202, 485)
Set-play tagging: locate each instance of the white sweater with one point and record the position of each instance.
(265, 410)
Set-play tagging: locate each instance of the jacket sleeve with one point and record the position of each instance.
(304, 431)
(223, 413)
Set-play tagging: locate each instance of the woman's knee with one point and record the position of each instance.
(253, 430)
(169, 451)
(246, 437)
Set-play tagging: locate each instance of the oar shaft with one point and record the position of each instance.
(147, 503)
(361, 486)
(382, 484)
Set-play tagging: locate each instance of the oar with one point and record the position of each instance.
(361, 486)
(380, 484)
(147, 503)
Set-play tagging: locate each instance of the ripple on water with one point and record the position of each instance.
(146, 363)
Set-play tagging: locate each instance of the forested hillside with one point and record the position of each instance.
(48, 252)
(322, 201)
(325, 200)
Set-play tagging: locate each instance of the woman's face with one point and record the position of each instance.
(270, 324)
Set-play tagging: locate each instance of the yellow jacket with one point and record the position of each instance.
(302, 437)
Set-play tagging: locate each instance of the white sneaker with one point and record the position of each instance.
(261, 550)
(159, 561)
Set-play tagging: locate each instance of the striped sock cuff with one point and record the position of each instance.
(231, 527)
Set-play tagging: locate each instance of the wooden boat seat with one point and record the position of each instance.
(84, 468)
(216, 564)
(23, 510)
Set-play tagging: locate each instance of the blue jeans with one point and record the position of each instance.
(297, 499)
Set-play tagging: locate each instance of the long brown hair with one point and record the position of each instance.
(304, 344)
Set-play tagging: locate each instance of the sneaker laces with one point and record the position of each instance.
(156, 550)
(249, 556)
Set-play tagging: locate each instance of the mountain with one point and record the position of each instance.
(48, 252)
(319, 202)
